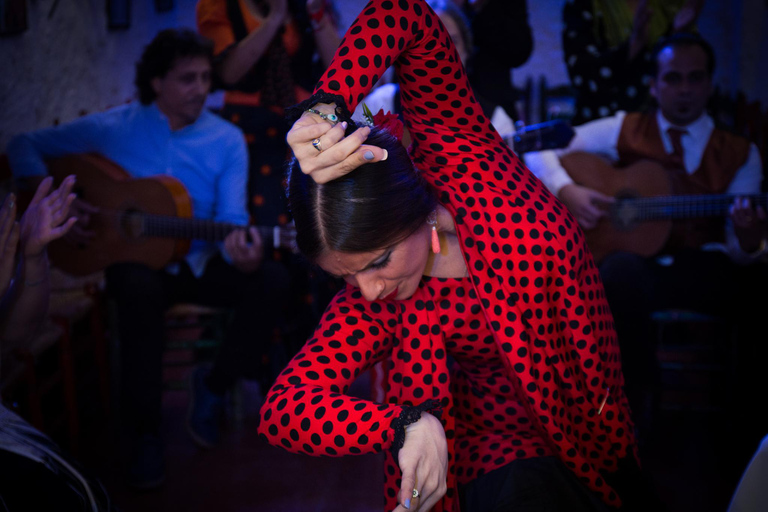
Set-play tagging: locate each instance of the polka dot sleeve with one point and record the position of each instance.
(307, 409)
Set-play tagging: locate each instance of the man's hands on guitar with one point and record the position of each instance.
(586, 204)
(246, 256)
(749, 224)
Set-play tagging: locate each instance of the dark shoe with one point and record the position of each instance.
(205, 410)
(146, 467)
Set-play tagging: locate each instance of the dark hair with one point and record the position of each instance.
(161, 54)
(373, 207)
(680, 39)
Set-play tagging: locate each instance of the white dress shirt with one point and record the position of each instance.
(601, 137)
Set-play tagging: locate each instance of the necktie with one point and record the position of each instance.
(676, 158)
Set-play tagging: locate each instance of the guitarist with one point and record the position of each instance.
(699, 159)
(170, 132)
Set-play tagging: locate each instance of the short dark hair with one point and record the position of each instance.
(375, 206)
(680, 39)
(161, 54)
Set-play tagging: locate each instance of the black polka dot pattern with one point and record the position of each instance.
(530, 327)
(603, 77)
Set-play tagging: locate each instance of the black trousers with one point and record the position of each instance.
(142, 296)
(708, 282)
(545, 484)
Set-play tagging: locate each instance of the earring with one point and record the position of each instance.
(432, 221)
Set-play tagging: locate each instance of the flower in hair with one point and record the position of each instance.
(384, 121)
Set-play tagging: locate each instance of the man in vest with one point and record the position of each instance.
(708, 265)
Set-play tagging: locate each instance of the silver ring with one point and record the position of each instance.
(316, 145)
(416, 493)
(331, 118)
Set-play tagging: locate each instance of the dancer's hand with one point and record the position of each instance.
(334, 155)
(424, 464)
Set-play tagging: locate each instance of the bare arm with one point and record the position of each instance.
(26, 303)
(326, 32)
(247, 52)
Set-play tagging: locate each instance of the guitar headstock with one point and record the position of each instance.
(547, 135)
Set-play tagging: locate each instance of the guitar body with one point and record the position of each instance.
(620, 230)
(119, 198)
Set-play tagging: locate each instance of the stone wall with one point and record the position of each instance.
(68, 63)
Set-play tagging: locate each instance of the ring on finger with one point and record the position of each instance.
(316, 145)
(331, 118)
(416, 493)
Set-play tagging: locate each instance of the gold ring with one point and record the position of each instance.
(316, 145)
(416, 493)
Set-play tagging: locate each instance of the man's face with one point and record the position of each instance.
(682, 85)
(182, 92)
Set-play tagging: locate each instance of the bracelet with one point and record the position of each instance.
(407, 416)
(331, 118)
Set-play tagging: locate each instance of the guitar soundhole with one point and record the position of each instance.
(624, 213)
(133, 223)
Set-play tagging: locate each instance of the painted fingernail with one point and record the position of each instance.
(386, 155)
(407, 503)
(344, 124)
(368, 155)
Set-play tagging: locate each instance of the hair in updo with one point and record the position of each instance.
(375, 206)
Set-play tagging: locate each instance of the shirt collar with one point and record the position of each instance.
(699, 129)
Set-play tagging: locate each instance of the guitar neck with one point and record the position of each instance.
(686, 207)
(197, 229)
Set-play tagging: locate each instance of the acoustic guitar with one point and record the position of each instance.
(144, 220)
(641, 219)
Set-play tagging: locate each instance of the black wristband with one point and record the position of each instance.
(408, 416)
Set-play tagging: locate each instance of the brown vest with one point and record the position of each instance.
(723, 156)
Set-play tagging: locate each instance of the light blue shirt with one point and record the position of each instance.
(209, 157)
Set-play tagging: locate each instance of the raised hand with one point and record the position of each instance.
(424, 465)
(47, 216)
(9, 240)
(333, 155)
(639, 37)
(687, 15)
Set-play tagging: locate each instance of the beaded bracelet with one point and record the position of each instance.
(331, 118)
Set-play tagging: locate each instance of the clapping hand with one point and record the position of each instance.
(687, 15)
(47, 216)
(332, 155)
(9, 239)
(639, 37)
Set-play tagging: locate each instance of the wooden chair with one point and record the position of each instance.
(43, 380)
(193, 334)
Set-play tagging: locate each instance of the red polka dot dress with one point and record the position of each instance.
(521, 356)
